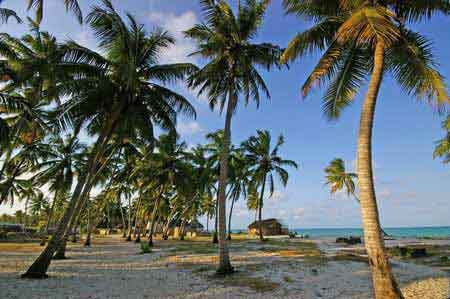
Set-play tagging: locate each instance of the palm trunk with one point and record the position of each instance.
(87, 242)
(154, 216)
(385, 286)
(122, 216)
(129, 221)
(260, 206)
(229, 219)
(40, 266)
(167, 226)
(215, 239)
(50, 215)
(183, 225)
(224, 258)
(207, 223)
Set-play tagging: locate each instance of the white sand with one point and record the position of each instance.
(116, 270)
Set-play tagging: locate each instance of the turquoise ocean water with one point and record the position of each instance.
(400, 232)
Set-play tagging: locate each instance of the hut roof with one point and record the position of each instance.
(265, 222)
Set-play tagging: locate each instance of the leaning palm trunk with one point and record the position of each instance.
(122, 216)
(260, 205)
(40, 266)
(224, 258)
(215, 240)
(129, 228)
(154, 216)
(385, 286)
(229, 218)
(49, 219)
(182, 228)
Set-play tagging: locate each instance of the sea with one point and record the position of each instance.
(399, 232)
(439, 232)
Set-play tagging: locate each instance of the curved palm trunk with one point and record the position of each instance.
(182, 228)
(122, 216)
(167, 225)
(260, 205)
(224, 258)
(40, 266)
(154, 216)
(229, 219)
(215, 240)
(129, 221)
(87, 242)
(385, 286)
(49, 219)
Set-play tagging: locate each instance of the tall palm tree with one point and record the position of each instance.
(442, 149)
(71, 5)
(125, 97)
(357, 38)
(265, 163)
(226, 39)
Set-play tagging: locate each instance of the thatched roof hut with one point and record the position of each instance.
(270, 227)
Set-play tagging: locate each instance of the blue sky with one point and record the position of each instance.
(413, 189)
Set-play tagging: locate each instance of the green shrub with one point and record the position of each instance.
(145, 248)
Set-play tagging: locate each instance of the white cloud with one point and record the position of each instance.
(189, 128)
(176, 25)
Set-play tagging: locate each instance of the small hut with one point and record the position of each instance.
(270, 227)
(191, 229)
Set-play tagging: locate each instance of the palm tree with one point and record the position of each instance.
(338, 178)
(239, 180)
(442, 149)
(6, 14)
(71, 5)
(265, 163)
(59, 169)
(123, 98)
(357, 38)
(226, 40)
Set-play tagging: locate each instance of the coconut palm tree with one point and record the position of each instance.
(226, 39)
(71, 5)
(338, 178)
(6, 14)
(265, 163)
(357, 38)
(59, 169)
(124, 98)
(442, 149)
(239, 181)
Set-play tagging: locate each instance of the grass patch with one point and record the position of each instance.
(193, 248)
(145, 248)
(257, 284)
(288, 279)
(350, 258)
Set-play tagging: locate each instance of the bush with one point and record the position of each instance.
(349, 241)
(409, 252)
(444, 259)
(3, 235)
(145, 248)
(292, 235)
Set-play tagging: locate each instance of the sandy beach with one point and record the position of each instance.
(280, 268)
